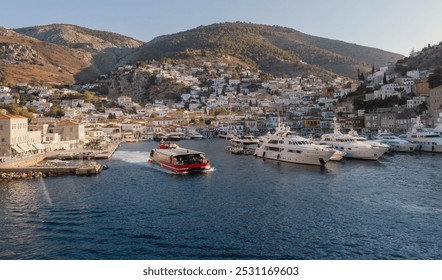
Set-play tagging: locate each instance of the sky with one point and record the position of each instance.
(395, 26)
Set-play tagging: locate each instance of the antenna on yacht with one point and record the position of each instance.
(335, 125)
(279, 122)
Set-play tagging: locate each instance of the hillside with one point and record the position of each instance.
(63, 53)
(105, 48)
(274, 49)
(77, 37)
(429, 58)
(25, 59)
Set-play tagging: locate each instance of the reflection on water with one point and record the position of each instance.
(249, 208)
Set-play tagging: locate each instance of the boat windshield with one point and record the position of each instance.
(190, 159)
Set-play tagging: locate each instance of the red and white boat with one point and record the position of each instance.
(179, 160)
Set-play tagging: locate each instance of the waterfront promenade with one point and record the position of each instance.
(35, 165)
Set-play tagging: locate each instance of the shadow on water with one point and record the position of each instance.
(247, 208)
(294, 168)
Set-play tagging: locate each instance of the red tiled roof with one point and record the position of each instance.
(67, 123)
(8, 116)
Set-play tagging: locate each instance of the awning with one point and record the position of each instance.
(39, 146)
(17, 149)
(31, 147)
(24, 147)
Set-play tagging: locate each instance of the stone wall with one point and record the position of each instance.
(23, 162)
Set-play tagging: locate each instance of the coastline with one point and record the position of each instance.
(33, 167)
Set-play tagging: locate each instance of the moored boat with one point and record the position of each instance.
(396, 144)
(283, 145)
(179, 160)
(194, 135)
(337, 156)
(353, 147)
(427, 139)
(243, 145)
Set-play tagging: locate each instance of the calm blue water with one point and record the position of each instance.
(249, 208)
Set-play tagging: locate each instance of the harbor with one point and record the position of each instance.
(249, 208)
(57, 163)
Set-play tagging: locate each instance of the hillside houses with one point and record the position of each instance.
(221, 104)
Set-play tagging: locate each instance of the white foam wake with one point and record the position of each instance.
(131, 156)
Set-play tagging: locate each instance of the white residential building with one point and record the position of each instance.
(415, 74)
(41, 104)
(386, 90)
(132, 126)
(416, 101)
(122, 100)
(4, 89)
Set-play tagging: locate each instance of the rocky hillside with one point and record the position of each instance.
(61, 53)
(429, 58)
(274, 49)
(25, 59)
(107, 49)
(77, 37)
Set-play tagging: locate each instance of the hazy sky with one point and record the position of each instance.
(396, 26)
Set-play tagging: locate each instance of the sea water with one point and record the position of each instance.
(248, 208)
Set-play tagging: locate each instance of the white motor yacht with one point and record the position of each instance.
(283, 145)
(351, 146)
(377, 144)
(396, 144)
(427, 139)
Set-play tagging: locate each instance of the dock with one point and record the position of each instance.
(77, 162)
(48, 171)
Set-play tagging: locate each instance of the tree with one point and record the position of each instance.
(56, 112)
(90, 97)
(435, 79)
(372, 69)
(101, 108)
(32, 109)
(384, 81)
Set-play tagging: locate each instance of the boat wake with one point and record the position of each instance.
(157, 167)
(131, 156)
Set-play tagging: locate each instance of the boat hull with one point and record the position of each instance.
(429, 148)
(358, 151)
(406, 148)
(179, 160)
(370, 155)
(183, 169)
(309, 158)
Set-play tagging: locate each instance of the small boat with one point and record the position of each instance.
(179, 160)
(174, 136)
(194, 135)
(243, 145)
(236, 150)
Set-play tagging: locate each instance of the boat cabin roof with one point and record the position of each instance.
(178, 152)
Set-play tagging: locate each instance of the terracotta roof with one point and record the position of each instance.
(8, 116)
(67, 123)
